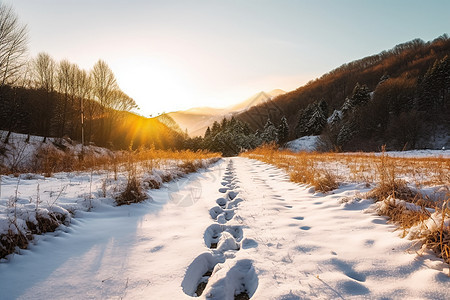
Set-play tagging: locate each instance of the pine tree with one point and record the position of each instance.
(207, 133)
(215, 129)
(283, 131)
(317, 121)
(269, 133)
(324, 107)
(345, 134)
(360, 96)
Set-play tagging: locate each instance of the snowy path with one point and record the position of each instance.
(238, 228)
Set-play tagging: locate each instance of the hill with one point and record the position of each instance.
(399, 97)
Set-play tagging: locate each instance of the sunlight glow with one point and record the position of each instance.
(155, 83)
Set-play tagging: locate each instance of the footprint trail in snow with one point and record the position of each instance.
(218, 273)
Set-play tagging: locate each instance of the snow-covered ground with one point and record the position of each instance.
(305, 143)
(238, 227)
(21, 150)
(418, 153)
(312, 143)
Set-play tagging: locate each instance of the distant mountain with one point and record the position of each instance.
(256, 99)
(197, 119)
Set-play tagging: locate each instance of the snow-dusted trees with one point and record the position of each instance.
(360, 96)
(283, 131)
(269, 133)
(13, 45)
(229, 137)
(312, 119)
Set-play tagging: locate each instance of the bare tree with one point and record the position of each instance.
(83, 88)
(104, 83)
(103, 86)
(66, 88)
(121, 101)
(44, 73)
(13, 45)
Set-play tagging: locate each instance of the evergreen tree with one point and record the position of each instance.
(345, 134)
(269, 133)
(215, 128)
(207, 133)
(317, 121)
(360, 96)
(223, 124)
(324, 107)
(283, 131)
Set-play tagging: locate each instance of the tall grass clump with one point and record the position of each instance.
(133, 192)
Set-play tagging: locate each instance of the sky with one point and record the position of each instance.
(173, 55)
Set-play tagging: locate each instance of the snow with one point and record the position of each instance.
(240, 227)
(305, 143)
(335, 116)
(445, 153)
(21, 154)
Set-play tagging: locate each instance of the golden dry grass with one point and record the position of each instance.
(306, 167)
(393, 177)
(51, 160)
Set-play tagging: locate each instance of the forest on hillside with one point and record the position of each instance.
(398, 98)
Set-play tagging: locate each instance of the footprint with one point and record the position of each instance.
(234, 203)
(215, 211)
(352, 288)
(305, 228)
(196, 274)
(249, 243)
(347, 269)
(298, 218)
(213, 234)
(237, 282)
(202, 284)
(227, 242)
(221, 202)
(226, 216)
(156, 249)
(223, 190)
(232, 194)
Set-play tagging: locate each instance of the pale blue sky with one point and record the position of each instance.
(171, 55)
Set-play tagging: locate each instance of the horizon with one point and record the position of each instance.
(171, 55)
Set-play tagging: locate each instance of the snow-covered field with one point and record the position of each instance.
(239, 226)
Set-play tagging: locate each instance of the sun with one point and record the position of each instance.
(156, 85)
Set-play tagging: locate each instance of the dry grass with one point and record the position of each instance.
(48, 160)
(393, 177)
(305, 167)
(145, 160)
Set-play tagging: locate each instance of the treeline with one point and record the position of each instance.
(231, 136)
(399, 98)
(41, 96)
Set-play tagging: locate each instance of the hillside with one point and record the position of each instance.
(197, 119)
(35, 111)
(404, 101)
